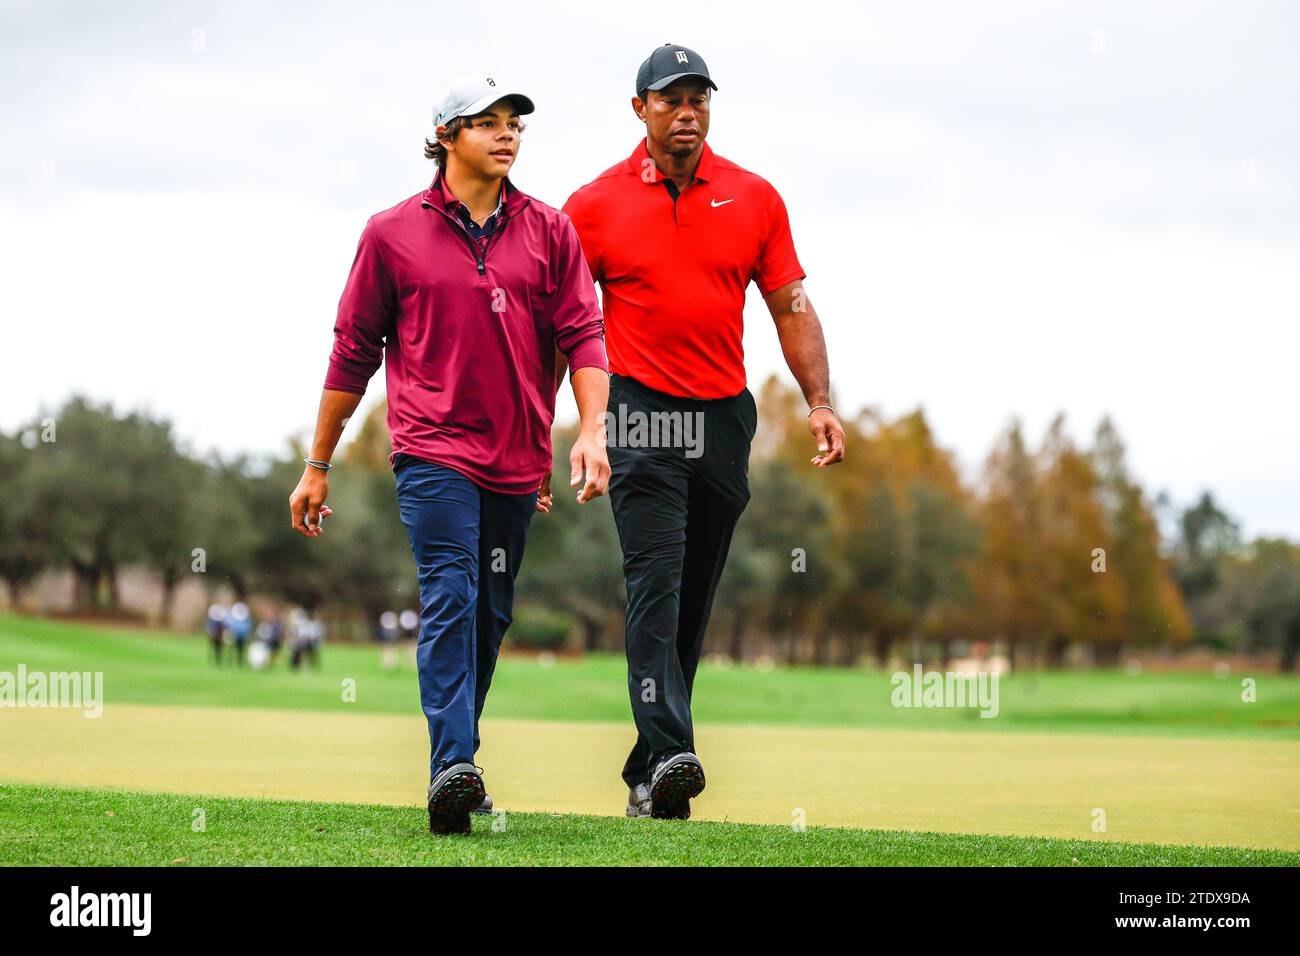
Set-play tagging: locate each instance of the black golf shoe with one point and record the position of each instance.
(638, 801)
(677, 778)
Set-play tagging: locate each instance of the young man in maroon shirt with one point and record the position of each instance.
(674, 234)
(468, 290)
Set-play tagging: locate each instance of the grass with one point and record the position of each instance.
(1227, 791)
(44, 826)
(1170, 758)
(151, 668)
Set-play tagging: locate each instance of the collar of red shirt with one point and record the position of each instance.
(640, 160)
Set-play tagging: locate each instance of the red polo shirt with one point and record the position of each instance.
(674, 273)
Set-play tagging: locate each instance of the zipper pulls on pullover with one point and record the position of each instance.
(479, 254)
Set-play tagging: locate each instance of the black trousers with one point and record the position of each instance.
(678, 488)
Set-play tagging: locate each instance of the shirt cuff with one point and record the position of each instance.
(341, 379)
(589, 353)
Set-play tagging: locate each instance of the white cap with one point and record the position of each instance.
(470, 95)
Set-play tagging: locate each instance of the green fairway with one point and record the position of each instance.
(45, 826)
(153, 668)
(1088, 760)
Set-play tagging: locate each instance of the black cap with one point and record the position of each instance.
(670, 63)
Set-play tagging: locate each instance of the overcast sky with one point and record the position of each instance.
(1005, 208)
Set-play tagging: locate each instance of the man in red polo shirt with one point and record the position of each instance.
(674, 234)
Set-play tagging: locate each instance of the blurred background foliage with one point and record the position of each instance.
(892, 554)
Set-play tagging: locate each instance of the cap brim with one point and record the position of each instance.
(668, 80)
(524, 105)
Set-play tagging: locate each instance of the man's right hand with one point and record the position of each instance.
(307, 503)
(544, 497)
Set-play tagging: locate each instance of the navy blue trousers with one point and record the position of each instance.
(468, 544)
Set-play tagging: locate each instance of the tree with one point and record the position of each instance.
(1208, 540)
(782, 563)
(1008, 578)
(941, 535)
(25, 544)
(164, 533)
(108, 486)
(1153, 610)
(1085, 604)
(573, 563)
(1264, 594)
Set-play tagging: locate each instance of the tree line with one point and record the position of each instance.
(1050, 551)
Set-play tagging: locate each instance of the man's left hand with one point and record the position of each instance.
(588, 458)
(830, 437)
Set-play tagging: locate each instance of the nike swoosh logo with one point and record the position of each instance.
(715, 204)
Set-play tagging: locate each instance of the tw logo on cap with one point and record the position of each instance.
(681, 57)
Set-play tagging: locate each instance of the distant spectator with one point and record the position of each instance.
(274, 636)
(298, 637)
(269, 634)
(241, 625)
(409, 621)
(315, 639)
(215, 626)
(388, 634)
